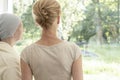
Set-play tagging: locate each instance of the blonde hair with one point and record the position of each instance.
(45, 12)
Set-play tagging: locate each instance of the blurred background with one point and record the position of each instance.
(94, 25)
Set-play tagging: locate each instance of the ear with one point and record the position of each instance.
(58, 20)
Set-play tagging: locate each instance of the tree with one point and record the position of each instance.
(31, 30)
(80, 20)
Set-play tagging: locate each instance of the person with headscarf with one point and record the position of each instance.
(11, 30)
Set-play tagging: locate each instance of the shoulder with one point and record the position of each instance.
(71, 44)
(76, 52)
(28, 48)
(26, 53)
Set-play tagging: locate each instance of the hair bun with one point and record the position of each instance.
(44, 13)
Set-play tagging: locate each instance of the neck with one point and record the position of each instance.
(49, 37)
(49, 34)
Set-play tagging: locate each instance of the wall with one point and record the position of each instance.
(6, 6)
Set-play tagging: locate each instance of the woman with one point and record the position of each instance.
(50, 58)
(10, 32)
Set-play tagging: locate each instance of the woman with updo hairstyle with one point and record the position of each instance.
(11, 30)
(50, 58)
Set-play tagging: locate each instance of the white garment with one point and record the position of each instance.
(51, 62)
(9, 63)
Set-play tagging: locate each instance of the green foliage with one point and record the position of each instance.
(89, 26)
(80, 19)
(28, 19)
(31, 30)
(25, 11)
(85, 29)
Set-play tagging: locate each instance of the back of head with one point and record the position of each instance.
(45, 12)
(8, 25)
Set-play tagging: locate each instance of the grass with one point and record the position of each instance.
(106, 66)
(95, 67)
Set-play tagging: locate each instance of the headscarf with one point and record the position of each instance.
(8, 25)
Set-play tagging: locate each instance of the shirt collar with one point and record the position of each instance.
(6, 48)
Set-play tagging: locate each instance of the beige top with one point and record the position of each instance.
(9, 63)
(51, 62)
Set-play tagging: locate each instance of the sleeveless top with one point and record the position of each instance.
(51, 62)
